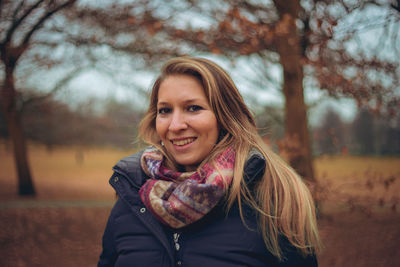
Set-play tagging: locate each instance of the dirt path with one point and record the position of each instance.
(354, 239)
(51, 236)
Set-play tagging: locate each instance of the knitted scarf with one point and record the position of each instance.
(179, 199)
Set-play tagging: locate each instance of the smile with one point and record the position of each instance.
(183, 142)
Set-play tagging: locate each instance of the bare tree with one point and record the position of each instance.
(20, 21)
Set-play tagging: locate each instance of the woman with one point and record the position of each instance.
(208, 192)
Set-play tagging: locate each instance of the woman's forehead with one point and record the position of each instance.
(182, 87)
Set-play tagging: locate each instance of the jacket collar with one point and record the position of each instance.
(131, 169)
(254, 168)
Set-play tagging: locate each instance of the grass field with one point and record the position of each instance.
(64, 172)
(63, 224)
(358, 182)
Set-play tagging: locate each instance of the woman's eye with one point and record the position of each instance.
(163, 110)
(194, 108)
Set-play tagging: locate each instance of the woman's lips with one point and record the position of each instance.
(183, 141)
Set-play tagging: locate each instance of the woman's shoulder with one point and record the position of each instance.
(128, 167)
(129, 162)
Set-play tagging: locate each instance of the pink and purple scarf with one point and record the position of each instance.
(179, 199)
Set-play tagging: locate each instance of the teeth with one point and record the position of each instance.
(183, 142)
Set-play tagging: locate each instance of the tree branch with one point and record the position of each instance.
(18, 22)
(14, 16)
(44, 18)
(58, 86)
(397, 6)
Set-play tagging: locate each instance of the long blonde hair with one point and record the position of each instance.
(283, 203)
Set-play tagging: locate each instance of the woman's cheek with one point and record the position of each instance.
(160, 126)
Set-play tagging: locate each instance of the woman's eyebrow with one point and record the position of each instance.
(193, 100)
(187, 101)
(162, 103)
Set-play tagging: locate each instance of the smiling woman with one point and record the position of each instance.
(207, 191)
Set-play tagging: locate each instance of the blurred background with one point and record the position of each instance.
(321, 78)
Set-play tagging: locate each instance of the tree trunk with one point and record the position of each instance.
(296, 123)
(15, 131)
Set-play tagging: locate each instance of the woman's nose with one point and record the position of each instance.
(177, 122)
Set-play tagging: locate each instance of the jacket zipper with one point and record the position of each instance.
(176, 239)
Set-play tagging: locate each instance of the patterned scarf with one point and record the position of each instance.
(179, 199)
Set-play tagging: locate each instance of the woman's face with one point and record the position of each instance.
(185, 121)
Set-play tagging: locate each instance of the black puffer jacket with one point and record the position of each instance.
(133, 237)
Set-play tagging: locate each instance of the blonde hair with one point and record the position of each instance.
(283, 203)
